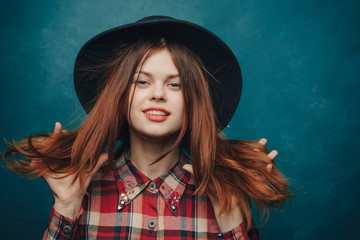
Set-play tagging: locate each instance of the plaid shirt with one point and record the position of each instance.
(125, 204)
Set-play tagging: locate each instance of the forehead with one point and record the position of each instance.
(158, 61)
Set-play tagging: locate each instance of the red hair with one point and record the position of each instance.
(227, 169)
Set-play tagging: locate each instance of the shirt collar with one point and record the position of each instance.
(131, 182)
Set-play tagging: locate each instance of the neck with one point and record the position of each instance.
(143, 152)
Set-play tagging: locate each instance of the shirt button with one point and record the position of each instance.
(67, 229)
(220, 236)
(152, 224)
(152, 186)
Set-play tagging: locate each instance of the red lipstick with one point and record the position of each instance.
(156, 114)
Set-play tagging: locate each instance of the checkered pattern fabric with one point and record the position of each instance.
(124, 204)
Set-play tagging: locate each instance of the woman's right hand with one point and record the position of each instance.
(68, 197)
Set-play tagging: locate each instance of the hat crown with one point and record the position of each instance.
(154, 19)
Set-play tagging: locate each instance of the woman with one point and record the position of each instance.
(165, 88)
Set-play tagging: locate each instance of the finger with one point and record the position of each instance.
(57, 128)
(272, 154)
(263, 141)
(269, 167)
(189, 168)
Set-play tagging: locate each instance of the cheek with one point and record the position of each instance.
(184, 110)
(135, 100)
(181, 106)
(136, 105)
(132, 104)
(182, 103)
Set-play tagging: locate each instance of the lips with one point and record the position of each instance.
(156, 114)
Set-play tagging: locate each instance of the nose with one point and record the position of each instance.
(158, 93)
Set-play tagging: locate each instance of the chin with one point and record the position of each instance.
(161, 136)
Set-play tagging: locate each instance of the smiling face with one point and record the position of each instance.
(157, 105)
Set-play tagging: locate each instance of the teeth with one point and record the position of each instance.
(154, 112)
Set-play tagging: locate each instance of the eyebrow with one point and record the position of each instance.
(170, 76)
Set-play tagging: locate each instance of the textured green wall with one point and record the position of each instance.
(301, 66)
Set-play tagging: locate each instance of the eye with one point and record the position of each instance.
(141, 83)
(174, 85)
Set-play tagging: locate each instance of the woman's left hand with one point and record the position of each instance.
(228, 221)
(271, 155)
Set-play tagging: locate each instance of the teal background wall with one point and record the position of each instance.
(301, 66)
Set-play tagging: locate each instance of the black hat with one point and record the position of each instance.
(216, 56)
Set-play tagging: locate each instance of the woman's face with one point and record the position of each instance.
(157, 107)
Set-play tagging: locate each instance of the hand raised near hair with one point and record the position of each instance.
(271, 155)
(228, 221)
(68, 197)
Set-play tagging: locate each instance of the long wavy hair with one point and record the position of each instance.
(229, 170)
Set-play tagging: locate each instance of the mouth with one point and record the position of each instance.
(156, 114)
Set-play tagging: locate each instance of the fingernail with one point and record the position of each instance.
(269, 167)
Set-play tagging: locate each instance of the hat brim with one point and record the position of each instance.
(216, 56)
